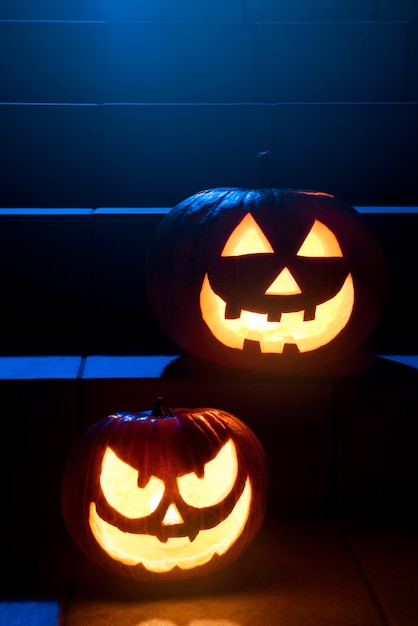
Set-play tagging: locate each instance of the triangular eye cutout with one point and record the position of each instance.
(320, 242)
(247, 238)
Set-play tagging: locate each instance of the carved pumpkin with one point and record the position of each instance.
(268, 279)
(162, 495)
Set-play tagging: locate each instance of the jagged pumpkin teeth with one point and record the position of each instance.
(200, 502)
(269, 266)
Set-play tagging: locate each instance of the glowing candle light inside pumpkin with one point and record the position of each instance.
(330, 316)
(148, 517)
(275, 280)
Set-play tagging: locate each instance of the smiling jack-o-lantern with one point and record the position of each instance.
(162, 495)
(267, 279)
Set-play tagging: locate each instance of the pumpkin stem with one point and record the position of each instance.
(160, 409)
(265, 169)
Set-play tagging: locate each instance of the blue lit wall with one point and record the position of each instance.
(144, 102)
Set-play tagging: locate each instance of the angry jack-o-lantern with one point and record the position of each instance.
(265, 279)
(162, 495)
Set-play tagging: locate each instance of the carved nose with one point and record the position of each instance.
(284, 285)
(172, 516)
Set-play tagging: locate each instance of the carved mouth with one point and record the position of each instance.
(155, 556)
(307, 329)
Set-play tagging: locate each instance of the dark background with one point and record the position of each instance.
(111, 112)
(142, 103)
(139, 104)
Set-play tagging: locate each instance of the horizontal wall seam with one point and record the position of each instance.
(214, 22)
(214, 104)
(127, 211)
